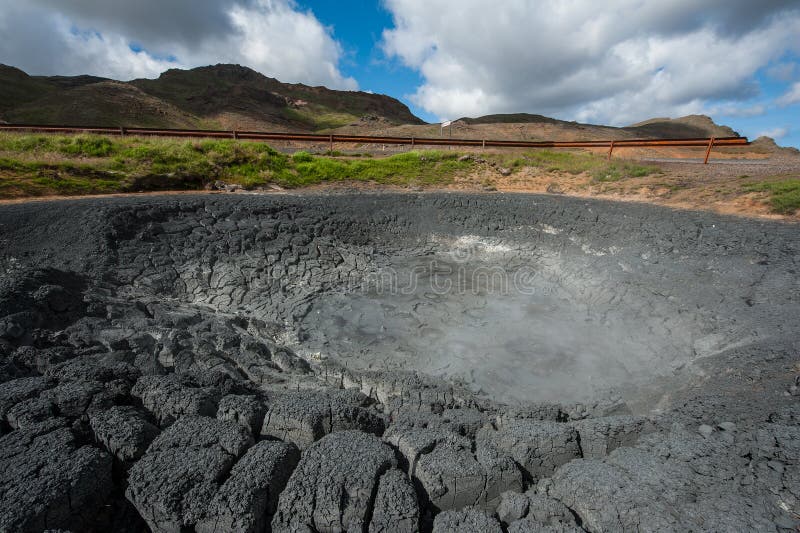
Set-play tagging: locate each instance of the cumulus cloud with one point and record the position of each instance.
(124, 40)
(618, 62)
(792, 96)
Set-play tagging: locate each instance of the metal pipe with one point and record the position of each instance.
(708, 150)
(364, 139)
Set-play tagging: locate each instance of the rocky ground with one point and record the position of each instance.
(155, 371)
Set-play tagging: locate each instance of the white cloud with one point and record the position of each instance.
(95, 37)
(775, 133)
(792, 96)
(619, 63)
(275, 38)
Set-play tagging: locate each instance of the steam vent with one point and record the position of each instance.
(396, 363)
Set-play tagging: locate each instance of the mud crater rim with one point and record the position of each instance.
(519, 310)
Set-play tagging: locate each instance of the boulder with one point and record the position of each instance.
(533, 512)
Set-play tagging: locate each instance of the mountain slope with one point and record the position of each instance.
(220, 96)
(235, 94)
(107, 103)
(17, 88)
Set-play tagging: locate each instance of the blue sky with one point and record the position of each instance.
(616, 62)
(359, 29)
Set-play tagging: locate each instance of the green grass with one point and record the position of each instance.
(411, 168)
(599, 168)
(86, 164)
(784, 195)
(52, 164)
(79, 145)
(320, 117)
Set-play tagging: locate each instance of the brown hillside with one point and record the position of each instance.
(684, 127)
(241, 97)
(221, 96)
(108, 103)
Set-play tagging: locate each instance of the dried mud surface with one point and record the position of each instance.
(396, 362)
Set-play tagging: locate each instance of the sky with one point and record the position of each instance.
(613, 62)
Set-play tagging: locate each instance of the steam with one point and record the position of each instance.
(517, 324)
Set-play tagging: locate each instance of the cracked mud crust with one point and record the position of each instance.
(379, 362)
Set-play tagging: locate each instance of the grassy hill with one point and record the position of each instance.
(107, 103)
(17, 88)
(220, 96)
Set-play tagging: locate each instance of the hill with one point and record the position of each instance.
(237, 97)
(108, 103)
(684, 127)
(220, 96)
(511, 118)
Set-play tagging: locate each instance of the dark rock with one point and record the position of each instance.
(124, 431)
(248, 411)
(513, 506)
(464, 422)
(396, 507)
(92, 369)
(17, 390)
(169, 398)
(333, 486)
(247, 500)
(448, 472)
(175, 481)
(467, 520)
(601, 436)
(48, 481)
(30, 412)
(537, 447)
(535, 512)
(303, 417)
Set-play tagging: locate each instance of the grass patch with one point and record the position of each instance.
(618, 171)
(411, 168)
(61, 164)
(83, 164)
(576, 163)
(77, 145)
(784, 195)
